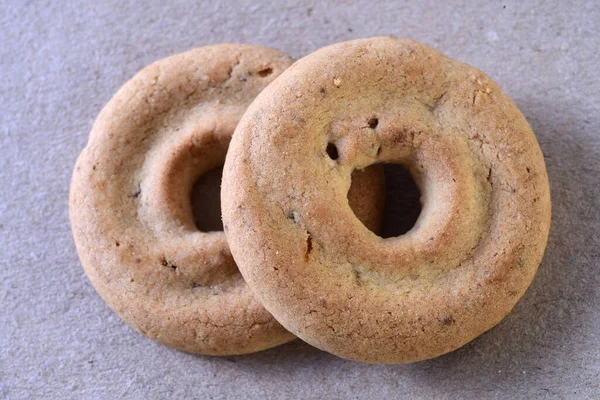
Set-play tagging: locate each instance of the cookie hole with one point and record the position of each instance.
(402, 205)
(332, 151)
(265, 72)
(206, 201)
(402, 201)
(373, 123)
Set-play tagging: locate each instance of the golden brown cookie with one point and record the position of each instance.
(485, 201)
(130, 202)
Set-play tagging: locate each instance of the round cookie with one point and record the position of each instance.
(130, 205)
(484, 191)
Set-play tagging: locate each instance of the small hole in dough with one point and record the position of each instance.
(332, 151)
(373, 123)
(265, 72)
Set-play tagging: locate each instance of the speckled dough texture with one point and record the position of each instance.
(130, 201)
(486, 204)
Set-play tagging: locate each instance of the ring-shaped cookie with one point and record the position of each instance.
(130, 202)
(485, 201)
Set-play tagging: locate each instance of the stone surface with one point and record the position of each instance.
(61, 62)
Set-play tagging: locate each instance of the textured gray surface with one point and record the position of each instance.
(61, 61)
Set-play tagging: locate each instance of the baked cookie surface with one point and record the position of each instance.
(485, 201)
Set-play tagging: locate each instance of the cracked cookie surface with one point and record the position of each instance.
(485, 201)
(130, 205)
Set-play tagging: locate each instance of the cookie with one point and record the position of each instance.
(130, 205)
(485, 198)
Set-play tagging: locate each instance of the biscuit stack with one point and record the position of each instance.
(303, 147)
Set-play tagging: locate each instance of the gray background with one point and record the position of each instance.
(60, 62)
